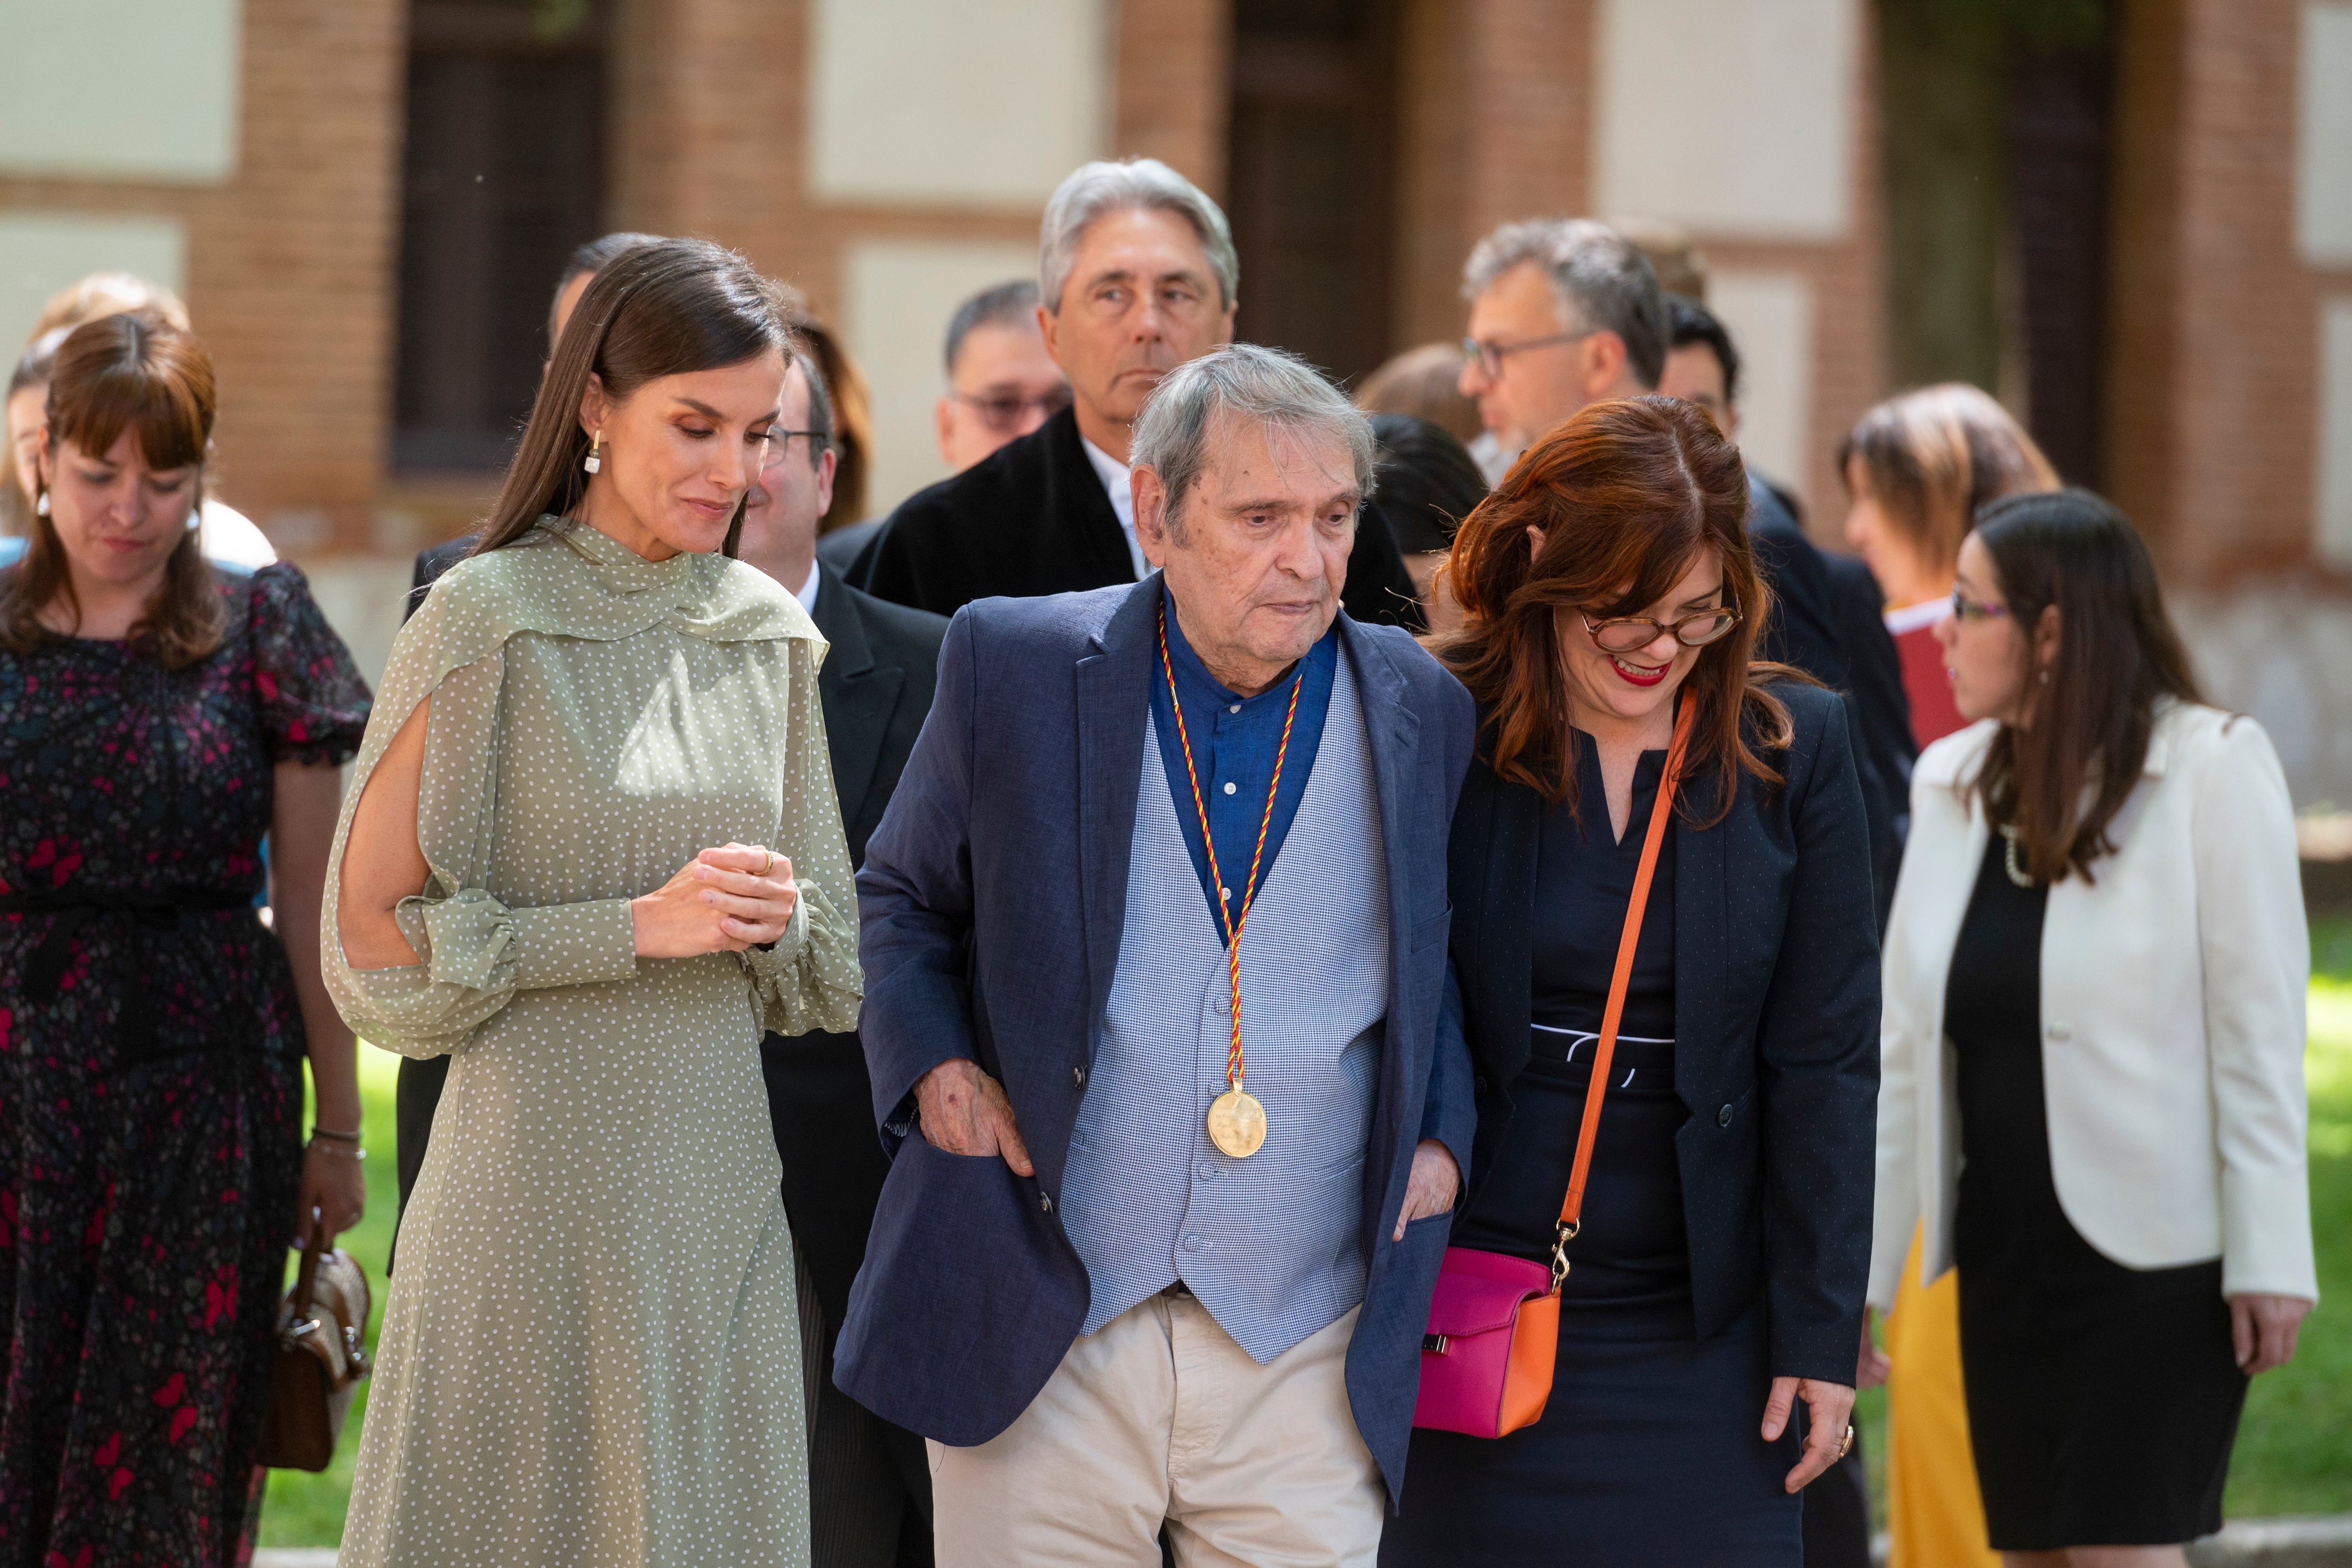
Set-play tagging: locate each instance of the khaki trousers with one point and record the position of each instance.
(1158, 1417)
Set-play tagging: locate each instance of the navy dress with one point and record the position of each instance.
(1647, 1452)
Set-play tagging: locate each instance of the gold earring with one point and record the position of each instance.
(595, 443)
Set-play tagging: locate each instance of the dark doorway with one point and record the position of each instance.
(504, 175)
(2057, 115)
(1314, 94)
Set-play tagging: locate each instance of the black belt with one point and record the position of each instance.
(1644, 1066)
(138, 1024)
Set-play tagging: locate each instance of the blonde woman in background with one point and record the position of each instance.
(1917, 467)
(227, 536)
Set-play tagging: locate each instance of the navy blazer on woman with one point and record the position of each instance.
(1776, 1027)
(993, 896)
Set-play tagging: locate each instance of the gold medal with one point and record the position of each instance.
(1237, 1122)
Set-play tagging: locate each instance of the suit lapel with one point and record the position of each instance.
(1702, 951)
(858, 696)
(1392, 729)
(1082, 508)
(1113, 691)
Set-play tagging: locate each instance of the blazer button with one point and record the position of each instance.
(1077, 1078)
(1045, 1202)
(1723, 1117)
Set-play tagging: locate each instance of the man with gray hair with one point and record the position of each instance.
(1161, 1027)
(1137, 274)
(1563, 312)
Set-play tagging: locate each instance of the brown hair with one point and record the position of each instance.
(1930, 458)
(853, 413)
(2118, 656)
(1425, 383)
(134, 372)
(1627, 493)
(664, 309)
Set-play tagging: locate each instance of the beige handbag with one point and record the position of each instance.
(321, 1360)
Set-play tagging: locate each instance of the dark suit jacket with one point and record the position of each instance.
(1032, 519)
(1776, 1028)
(993, 901)
(1828, 625)
(875, 687)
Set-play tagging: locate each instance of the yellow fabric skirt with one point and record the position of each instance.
(1933, 1517)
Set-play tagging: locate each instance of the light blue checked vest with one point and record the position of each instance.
(1272, 1244)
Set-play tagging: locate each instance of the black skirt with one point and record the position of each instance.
(1647, 1454)
(2102, 1400)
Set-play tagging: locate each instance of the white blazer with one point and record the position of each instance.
(2172, 1017)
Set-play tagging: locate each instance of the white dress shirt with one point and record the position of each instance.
(1121, 487)
(806, 591)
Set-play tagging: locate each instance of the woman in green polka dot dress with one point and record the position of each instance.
(591, 850)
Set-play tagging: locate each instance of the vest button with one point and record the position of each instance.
(1077, 1078)
(2060, 1033)
(1723, 1117)
(1045, 1202)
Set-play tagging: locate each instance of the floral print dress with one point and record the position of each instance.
(151, 1077)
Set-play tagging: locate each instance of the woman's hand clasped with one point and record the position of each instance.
(724, 899)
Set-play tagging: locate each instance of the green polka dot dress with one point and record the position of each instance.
(591, 1354)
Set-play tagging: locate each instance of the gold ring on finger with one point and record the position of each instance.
(771, 862)
(1847, 1447)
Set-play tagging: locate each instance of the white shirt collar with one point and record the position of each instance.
(1121, 488)
(806, 591)
(1912, 617)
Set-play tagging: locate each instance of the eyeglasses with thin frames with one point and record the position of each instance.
(1968, 612)
(780, 441)
(1632, 634)
(1489, 357)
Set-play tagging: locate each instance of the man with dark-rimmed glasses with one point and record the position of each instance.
(1563, 312)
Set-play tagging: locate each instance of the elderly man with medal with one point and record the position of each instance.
(1163, 1032)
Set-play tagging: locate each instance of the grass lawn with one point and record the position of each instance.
(2295, 1450)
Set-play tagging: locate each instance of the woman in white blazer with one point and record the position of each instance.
(2093, 1031)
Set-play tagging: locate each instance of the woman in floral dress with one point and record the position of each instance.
(158, 716)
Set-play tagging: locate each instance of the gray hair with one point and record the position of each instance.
(1010, 303)
(820, 406)
(1600, 278)
(1264, 386)
(1134, 184)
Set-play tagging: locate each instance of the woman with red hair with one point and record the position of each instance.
(1713, 1293)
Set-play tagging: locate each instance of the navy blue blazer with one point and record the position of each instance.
(1776, 1027)
(992, 898)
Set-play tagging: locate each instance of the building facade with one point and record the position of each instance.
(364, 203)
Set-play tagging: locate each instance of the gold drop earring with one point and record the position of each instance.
(595, 444)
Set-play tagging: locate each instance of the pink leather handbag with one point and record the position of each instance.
(1493, 1322)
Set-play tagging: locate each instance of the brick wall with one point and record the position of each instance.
(290, 262)
(2213, 378)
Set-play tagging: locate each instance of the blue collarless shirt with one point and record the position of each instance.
(1235, 742)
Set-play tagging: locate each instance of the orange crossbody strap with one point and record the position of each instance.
(1572, 1208)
